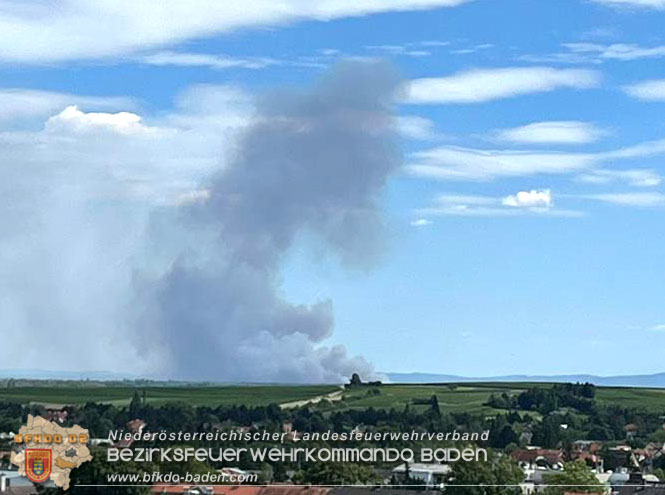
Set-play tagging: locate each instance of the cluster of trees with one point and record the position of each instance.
(579, 396)
(535, 416)
(356, 382)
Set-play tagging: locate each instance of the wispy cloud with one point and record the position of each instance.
(529, 199)
(456, 163)
(651, 90)
(554, 132)
(596, 53)
(652, 4)
(472, 49)
(617, 51)
(26, 103)
(421, 222)
(638, 199)
(404, 50)
(416, 127)
(212, 61)
(534, 202)
(632, 177)
(481, 85)
(71, 30)
(468, 164)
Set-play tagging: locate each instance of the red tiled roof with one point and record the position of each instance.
(531, 455)
(243, 490)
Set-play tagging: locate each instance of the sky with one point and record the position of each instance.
(293, 191)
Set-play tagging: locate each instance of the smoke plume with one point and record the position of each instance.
(312, 163)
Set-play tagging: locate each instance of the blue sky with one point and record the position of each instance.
(525, 225)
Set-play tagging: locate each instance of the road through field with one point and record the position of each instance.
(332, 396)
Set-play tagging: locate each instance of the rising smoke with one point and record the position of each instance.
(311, 163)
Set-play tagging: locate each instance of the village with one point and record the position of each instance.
(628, 466)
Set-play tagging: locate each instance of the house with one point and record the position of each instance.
(237, 490)
(6, 488)
(13, 484)
(427, 474)
(640, 484)
(101, 442)
(631, 430)
(535, 457)
(136, 425)
(619, 455)
(56, 415)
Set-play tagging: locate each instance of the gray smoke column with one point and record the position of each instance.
(313, 162)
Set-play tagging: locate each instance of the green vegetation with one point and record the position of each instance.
(514, 415)
(576, 478)
(193, 395)
(645, 398)
(454, 398)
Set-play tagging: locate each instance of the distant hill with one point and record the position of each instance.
(657, 380)
(36, 374)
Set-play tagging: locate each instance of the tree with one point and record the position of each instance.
(498, 476)
(434, 406)
(136, 405)
(575, 477)
(355, 380)
(338, 473)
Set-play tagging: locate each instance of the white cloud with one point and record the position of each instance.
(477, 86)
(100, 179)
(654, 4)
(47, 32)
(456, 163)
(118, 155)
(554, 132)
(530, 199)
(415, 127)
(472, 49)
(537, 202)
(639, 199)
(434, 43)
(617, 51)
(71, 119)
(404, 50)
(26, 103)
(421, 222)
(464, 199)
(632, 177)
(658, 328)
(183, 59)
(191, 197)
(652, 90)
(596, 53)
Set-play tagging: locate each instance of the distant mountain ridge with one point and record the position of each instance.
(35, 374)
(656, 380)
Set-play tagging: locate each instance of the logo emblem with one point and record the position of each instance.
(38, 464)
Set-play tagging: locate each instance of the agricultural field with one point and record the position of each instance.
(472, 398)
(205, 395)
(652, 399)
(464, 397)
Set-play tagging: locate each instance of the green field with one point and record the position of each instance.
(452, 398)
(462, 398)
(648, 398)
(208, 395)
(471, 397)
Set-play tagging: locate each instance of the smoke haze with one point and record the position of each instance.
(314, 162)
